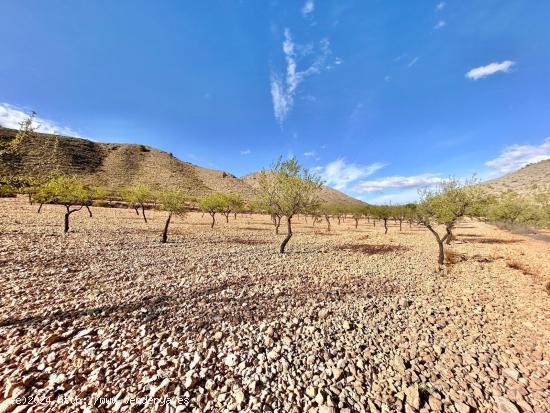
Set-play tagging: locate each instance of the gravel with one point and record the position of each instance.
(217, 320)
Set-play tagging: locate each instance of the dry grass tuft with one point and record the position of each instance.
(371, 248)
(492, 240)
(453, 257)
(520, 266)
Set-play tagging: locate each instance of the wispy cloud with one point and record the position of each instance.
(246, 152)
(413, 62)
(490, 69)
(400, 197)
(398, 182)
(11, 117)
(338, 174)
(284, 86)
(310, 154)
(514, 157)
(440, 6)
(308, 8)
(440, 24)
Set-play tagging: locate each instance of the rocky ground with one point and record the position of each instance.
(217, 320)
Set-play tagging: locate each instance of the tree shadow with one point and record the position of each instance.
(492, 240)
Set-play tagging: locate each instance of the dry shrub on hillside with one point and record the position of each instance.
(371, 248)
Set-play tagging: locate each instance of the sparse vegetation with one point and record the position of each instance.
(288, 189)
(66, 191)
(137, 197)
(212, 204)
(174, 203)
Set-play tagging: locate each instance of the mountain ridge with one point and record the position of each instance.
(119, 165)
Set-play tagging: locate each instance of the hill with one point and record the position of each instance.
(327, 194)
(531, 178)
(117, 166)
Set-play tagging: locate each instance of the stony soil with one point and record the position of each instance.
(354, 320)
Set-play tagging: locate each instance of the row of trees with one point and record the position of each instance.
(288, 190)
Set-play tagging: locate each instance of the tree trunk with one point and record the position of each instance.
(40, 208)
(410, 224)
(277, 224)
(30, 198)
(328, 222)
(374, 223)
(356, 222)
(165, 232)
(66, 221)
(338, 220)
(137, 211)
(89, 211)
(385, 226)
(440, 242)
(400, 224)
(449, 236)
(227, 217)
(288, 234)
(213, 214)
(234, 215)
(143, 213)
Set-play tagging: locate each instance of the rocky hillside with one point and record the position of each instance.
(531, 178)
(117, 166)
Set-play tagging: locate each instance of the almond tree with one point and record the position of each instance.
(445, 206)
(232, 203)
(138, 196)
(174, 203)
(383, 212)
(288, 189)
(212, 204)
(66, 191)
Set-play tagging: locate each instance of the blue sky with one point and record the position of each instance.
(378, 97)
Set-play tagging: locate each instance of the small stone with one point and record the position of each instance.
(512, 373)
(273, 355)
(322, 314)
(51, 339)
(505, 405)
(327, 409)
(230, 360)
(346, 325)
(336, 373)
(462, 407)
(310, 392)
(413, 396)
(239, 396)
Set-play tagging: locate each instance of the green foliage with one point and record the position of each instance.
(512, 208)
(138, 195)
(172, 201)
(288, 189)
(213, 203)
(63, 190)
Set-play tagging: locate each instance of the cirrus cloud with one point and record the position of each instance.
(490, 69)
(284, 86)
